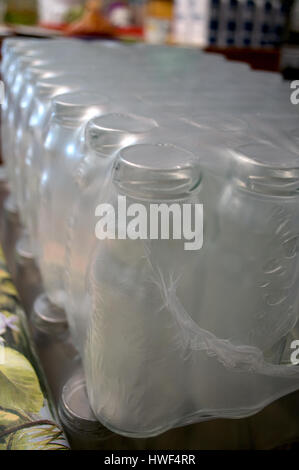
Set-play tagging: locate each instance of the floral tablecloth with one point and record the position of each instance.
(27, 417)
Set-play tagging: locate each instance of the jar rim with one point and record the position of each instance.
(160, 171)
(266, 168)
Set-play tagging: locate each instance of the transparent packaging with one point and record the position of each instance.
(160, 326)
(158, 309)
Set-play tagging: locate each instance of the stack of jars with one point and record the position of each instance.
(158, 188)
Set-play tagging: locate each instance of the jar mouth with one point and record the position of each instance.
(22, 51)
(120, 122)
(39, 74)
(74, 409)
(65, 78)
(219, 122)
(162, 172)
(110, 132)
(75, 400)
(45, 66)
(48, 92)
(266, 169)
(33, 61)
(273, 187)
(9, 43)
(77, 99)
(61, 84)
(77, 106)
(48, 320)
(164, 98)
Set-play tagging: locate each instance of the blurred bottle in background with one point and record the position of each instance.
(20, 11)
(2, 10)
(157, 24)
(138, 11)
(56, 13)
(290, 52)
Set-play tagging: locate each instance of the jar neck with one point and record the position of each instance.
(69, 123)
(150, 193)
(109, 143)
(277, 187)
(266, 170)
(77, 114)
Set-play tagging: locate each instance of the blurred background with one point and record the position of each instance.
(264, 33)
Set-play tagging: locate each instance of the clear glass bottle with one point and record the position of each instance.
(255, 248)
(33, 130)
(135, 356)
(17, 122)
(104, 137)
(12, 95)
(23, 110)
(62, 155)
(81, 426)
(9, 45)
(19, 137)
(20, 57)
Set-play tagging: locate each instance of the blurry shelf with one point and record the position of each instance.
(259, 59)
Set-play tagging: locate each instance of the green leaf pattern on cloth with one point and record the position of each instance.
(18, 383)
(26, 419)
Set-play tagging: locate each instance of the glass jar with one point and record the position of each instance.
(61, 157)
(104, 137)
(21, 121)
(12, 93)
(19, 142)
(135, 356)
(23, 55)
(33, 131)
(255, 248)
(17, 118)
(81, 426)
(8, 46)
